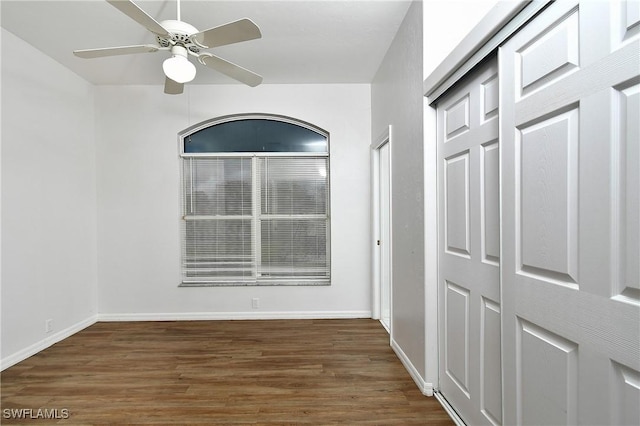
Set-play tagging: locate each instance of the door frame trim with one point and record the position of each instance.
(376, 299)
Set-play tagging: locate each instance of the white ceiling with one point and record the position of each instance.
(303, 41)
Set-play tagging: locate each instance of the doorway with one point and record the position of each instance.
(381, 191)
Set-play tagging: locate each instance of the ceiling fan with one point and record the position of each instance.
(182, 40)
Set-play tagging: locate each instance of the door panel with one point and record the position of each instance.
(490, 203)
(547, 218)
(490, 384)
(456, 214)
(457, 337)
(569, 163)
(628, 195)
(547, 371)
(625, 395)
(469, 247)
(385, 235)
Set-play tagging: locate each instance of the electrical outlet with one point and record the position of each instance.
(255, 303)
(48, 326)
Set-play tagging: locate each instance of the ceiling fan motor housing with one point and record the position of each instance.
(179, 35)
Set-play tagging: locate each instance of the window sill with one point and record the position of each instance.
(296, 283)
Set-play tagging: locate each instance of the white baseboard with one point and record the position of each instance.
(425, 388)
(428, 389)
(45, 343)
(261, 315)
(185, 316)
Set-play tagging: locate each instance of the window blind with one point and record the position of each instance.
(294, 218)
(218, 234)
(255, 219)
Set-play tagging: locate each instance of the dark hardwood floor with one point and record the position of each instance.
(219, 372)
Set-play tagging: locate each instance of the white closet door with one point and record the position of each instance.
(469, 247)
(570, 160)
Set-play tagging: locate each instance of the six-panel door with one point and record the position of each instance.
(469, 247)
(570, 161)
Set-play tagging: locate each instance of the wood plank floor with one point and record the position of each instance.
(220, 372)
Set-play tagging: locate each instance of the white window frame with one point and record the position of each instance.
(256, 207)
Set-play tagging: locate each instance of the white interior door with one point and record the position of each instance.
(381, 195)
(469, 247)
(570, 108)
(385, 236)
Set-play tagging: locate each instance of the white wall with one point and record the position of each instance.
(446, 23)
(48, 201)
(396, 99)
(138, 201)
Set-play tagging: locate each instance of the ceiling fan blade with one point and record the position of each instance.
(130, 9)
(233, 32)
(230, 69)
(172, 87)
(114, 51)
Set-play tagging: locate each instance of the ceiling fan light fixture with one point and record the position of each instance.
(177, 67)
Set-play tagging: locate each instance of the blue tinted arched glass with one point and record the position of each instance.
(255, 135)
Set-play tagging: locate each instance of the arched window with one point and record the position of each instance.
(255, 202)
